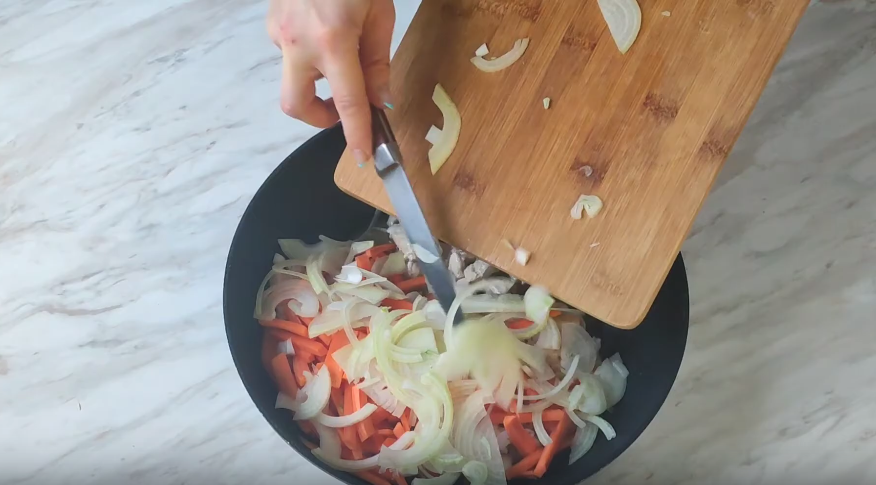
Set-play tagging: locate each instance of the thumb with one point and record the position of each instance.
(374, 51)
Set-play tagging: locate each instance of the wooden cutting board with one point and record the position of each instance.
(655, 124)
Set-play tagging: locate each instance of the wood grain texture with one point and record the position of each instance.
(655, 125)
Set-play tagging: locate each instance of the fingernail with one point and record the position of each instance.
(361, 158)
(386, 97)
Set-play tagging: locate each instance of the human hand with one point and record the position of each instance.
(347, 41)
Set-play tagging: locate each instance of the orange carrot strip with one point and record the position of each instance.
(558, 437)
(283, 375)
(555, 313)
(363, 261)
(497, 416)
(350, 431)
(389, 441)
(311, 346)
(339, 341)
(306, 320)
(291, 327)
(523, 466)
(406, 419)
(299, 366)
(548, 416)
(396, 278)
(382, 415)
(400, 480)
(364, 428)
(399, 430)
(412, 284)
(305, 355)
(325, 338)
(385, 433)
(279, 334)
(525, 443)
(380, 251)
(397, 304)
(372, 478)
(518, 323)
(337, 400)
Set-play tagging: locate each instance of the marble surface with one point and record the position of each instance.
(132, 135)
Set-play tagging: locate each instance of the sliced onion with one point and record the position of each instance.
(540, 432)
(372, 294)
(348, 419)
(606, 428)
(583, 441)
(302, 299)
(440, 152)
(538, 302)
(352, 313)
(329, 440)
(521, 256)
(285, 402)
(493, 303)
(391, 264)
(482, 50)
(549, 338)
(575, 418)
(510, 57)
(576, 341)
(561, 386)
(624, 19)
(318, 390)
(593, 399)
(612, 373)
(350, 273)
(476, 472)
(366, 464)
(358, 248)
(546, 102)
(590, 204)
(433, 136)
(285, 347)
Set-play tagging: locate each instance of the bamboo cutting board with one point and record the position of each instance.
(655, 124)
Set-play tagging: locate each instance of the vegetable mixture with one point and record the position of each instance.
(383, 385)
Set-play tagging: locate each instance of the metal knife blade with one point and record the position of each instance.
(387, 162)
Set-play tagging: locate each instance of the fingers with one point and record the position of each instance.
(344, 73)
(374, 51)
(298, 91)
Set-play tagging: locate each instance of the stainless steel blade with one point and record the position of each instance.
(409, 213)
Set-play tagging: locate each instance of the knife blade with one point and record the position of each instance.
(387, 162)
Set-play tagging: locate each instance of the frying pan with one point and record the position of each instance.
(300, 200)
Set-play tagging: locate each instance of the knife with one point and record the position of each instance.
(388, 163)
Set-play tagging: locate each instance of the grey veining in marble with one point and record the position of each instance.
(132, 135)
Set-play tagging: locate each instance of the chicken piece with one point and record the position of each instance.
(457, 262)
(478, 270)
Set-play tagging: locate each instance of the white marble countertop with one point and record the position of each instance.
(133, 134)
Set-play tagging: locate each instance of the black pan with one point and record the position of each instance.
(300, 200)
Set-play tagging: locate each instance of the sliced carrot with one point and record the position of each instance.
(383, 416)
(337, 400)
(339, 340)
(412, 284)
(351, 439)
(525, 443)
(399, 430)
(497, 415)
(400, 480)
(524, 466)
(558, 439)
(312, 346)
(372, 478)
(550, 427)
(385, 433)
(397, 304)
(279, 334)
(389, 441)
(295, 327)
(548, 416)
(380, 251)
(555, 313)
(286, 381)
(326, 339)
(406, 419)
(364, 428)
(363, 261)
(305, 355)
(518, 323)
(299, 366)
(396, 278)
(306, 320)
